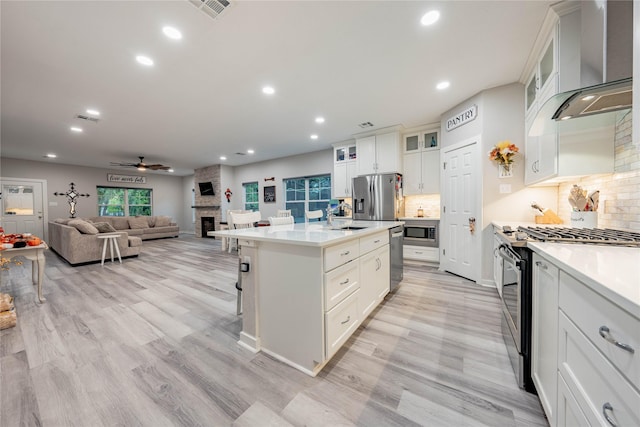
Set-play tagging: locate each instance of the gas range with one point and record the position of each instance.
(597, 236)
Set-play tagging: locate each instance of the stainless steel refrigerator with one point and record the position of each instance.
(378, 197)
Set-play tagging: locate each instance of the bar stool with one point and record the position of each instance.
(313, 215)
(241, 221)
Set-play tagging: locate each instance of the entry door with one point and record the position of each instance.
(22, 207)
(461, 190)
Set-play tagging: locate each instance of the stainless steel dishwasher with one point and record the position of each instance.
(396, 240)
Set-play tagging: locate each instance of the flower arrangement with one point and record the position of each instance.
(503, 152)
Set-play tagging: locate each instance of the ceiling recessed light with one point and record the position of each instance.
(144, 60)
(223, 158)
(442, 85)
(172, 33)
(51, 156)
(268, 90)
(76, 129)
(250, 151)
(169, 170)
(588, 98)
(430, 18)
(319, 119)
(314, 136)
(93, 112)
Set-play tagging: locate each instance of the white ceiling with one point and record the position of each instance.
(348, 61)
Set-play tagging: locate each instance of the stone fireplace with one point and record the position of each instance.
(208, 214)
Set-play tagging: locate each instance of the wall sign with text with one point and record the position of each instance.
(129, 179)
(462, 118)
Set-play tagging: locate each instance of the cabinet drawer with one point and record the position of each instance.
(420, 253)
(593, 381)
(339, 283)
(369, 243)
(341, 322)
(339, 254)
(590, 312)
(569, 412)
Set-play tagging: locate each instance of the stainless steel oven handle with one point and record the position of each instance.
(509, 255)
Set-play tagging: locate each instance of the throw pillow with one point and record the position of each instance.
(120, 222)
(163, 221)
(138, 222)
(104, 227)
(63, 221)
(152, 221)
(83, 226)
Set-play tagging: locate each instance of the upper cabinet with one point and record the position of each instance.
(344, 168)
(543, 82)
(379, 154)
(421, 174)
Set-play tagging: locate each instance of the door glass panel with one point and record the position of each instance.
(411, 143)
(546, 65)
(352, 153)
(430, 140)
(17, 200)
(531, 92)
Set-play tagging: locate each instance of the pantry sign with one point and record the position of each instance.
(462, 118)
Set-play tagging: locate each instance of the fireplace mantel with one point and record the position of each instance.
(206, 207)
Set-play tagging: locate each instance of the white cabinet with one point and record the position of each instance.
(544, 330)
(340, 322)
(421, 253)
(374, 272)
(543, 79)
(421, 174)
(497, 261)
(344, 168)
(379, 154)
(419, 141)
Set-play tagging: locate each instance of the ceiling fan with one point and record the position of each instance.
(142, 166)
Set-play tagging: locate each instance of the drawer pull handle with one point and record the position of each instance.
(541, 265)
(345, 253)
(604, 333)
(607, 407)
(376, 241)
(419, 252)
(345, 282)
(346, 321)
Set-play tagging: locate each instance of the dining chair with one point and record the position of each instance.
(242, 221)
(283, 212)
(282, 220)
(230, 226)
(313, 215)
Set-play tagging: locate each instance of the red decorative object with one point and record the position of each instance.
(228, 194)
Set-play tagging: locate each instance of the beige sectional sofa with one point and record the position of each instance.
(76, 241)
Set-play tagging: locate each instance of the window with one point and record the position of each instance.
(307, 194)
(251, 201)
(117, 201)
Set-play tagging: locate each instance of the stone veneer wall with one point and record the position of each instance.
(620, 191)
(207, 206)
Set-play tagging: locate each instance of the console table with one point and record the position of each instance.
(35, 254)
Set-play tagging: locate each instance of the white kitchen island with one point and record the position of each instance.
(309, 286)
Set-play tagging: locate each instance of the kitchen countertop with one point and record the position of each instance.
(317, 234)
(415, 218)
(612, 271)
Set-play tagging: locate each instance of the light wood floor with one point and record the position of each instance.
(153, 342)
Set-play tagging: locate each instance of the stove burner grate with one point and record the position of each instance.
(605, 236)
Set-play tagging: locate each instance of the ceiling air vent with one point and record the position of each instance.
(241, 154)
(366, 125)
(87, 118)
(213, 8)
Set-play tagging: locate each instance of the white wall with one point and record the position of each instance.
(188, 186)
(316, 163)
(498, 120)
(167, 189)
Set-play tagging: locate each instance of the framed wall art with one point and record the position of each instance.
(270, 194)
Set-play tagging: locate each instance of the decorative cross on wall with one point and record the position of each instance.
(72, 195)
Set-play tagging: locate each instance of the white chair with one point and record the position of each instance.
(282, 220)
(313, 215)
(242, 221)
(231, 227)
(285, 213)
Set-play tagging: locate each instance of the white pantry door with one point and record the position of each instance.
(22, 206)
(461, 193)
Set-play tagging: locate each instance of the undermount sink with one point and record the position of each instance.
(352, 227)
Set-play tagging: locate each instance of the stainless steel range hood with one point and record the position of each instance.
(576, 110)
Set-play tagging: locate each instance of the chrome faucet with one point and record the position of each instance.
(330, 211)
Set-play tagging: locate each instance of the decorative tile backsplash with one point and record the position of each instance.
(430, 204)
(620, 191)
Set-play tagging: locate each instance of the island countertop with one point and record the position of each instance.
(317, 234)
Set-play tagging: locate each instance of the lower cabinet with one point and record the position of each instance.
(585, 361)
(341, 321)
(421, 253)
(374, 279)
(544, 338)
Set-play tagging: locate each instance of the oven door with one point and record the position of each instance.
(510, 288)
